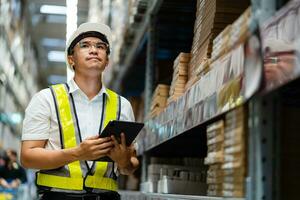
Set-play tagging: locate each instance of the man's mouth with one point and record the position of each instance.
(93, 58)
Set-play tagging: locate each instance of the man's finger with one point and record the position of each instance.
(103, 152)
(97, 141)
(132, 148)
(115, 141)
(123, 140)
(92, 137)
(105, 145)
(134, 161)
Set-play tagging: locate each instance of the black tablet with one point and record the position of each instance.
(130, 129)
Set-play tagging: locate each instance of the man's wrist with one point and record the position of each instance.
(124, 164)
(74, 154)
(131, 166)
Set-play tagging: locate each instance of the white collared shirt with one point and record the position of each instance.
(40, 122)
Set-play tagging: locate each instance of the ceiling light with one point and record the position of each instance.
(54, 42)
(56, 56)
(50, 9)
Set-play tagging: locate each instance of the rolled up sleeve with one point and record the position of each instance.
(36, 124)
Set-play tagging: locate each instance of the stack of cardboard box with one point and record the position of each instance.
(240, 28)
(232, 35)
(159, 99)
(211, 18)
(235, 154)
(221, 43)
(180, 76)
(215, 158)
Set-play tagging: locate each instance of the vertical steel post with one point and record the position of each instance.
(264, 145)
(150, 63)
(254, 182)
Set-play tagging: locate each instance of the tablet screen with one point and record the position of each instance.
(130, 129)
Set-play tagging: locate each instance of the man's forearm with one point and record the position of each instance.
(40, 158)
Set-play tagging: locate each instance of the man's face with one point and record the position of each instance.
(11, 155)
(89, 54)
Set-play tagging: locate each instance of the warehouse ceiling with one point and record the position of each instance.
(48, 32)
(174, 34)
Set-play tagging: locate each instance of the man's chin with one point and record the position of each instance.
(97, 67)
(95, 70)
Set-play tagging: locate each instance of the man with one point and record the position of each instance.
(62, 125)
(11, 174)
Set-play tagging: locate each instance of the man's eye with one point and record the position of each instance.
(101, 46)
(84, 45)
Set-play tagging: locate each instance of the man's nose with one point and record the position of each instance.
(93, 49)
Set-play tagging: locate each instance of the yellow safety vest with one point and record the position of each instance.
(71, 176)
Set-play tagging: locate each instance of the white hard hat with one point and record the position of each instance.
(88, 29)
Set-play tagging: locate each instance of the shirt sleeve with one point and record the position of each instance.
(126, 111)
(36, 124)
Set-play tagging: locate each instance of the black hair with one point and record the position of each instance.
(5, 157)
(88, 34)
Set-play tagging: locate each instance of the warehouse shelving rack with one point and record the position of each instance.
(263, 113)
(17, 73)
(10, 85)
(266, 150)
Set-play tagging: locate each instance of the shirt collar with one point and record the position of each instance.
(73, 87)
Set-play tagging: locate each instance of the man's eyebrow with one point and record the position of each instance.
(88, 41)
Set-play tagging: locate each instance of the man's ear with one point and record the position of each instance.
(107, 61)
(71, 60)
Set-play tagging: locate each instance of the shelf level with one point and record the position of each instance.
(140, 195)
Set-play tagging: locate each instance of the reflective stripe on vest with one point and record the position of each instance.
(74, 179)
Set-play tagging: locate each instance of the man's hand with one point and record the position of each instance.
(94, 147)
(15, 183)
(34, 155)
(4, 183)
(124, 156)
